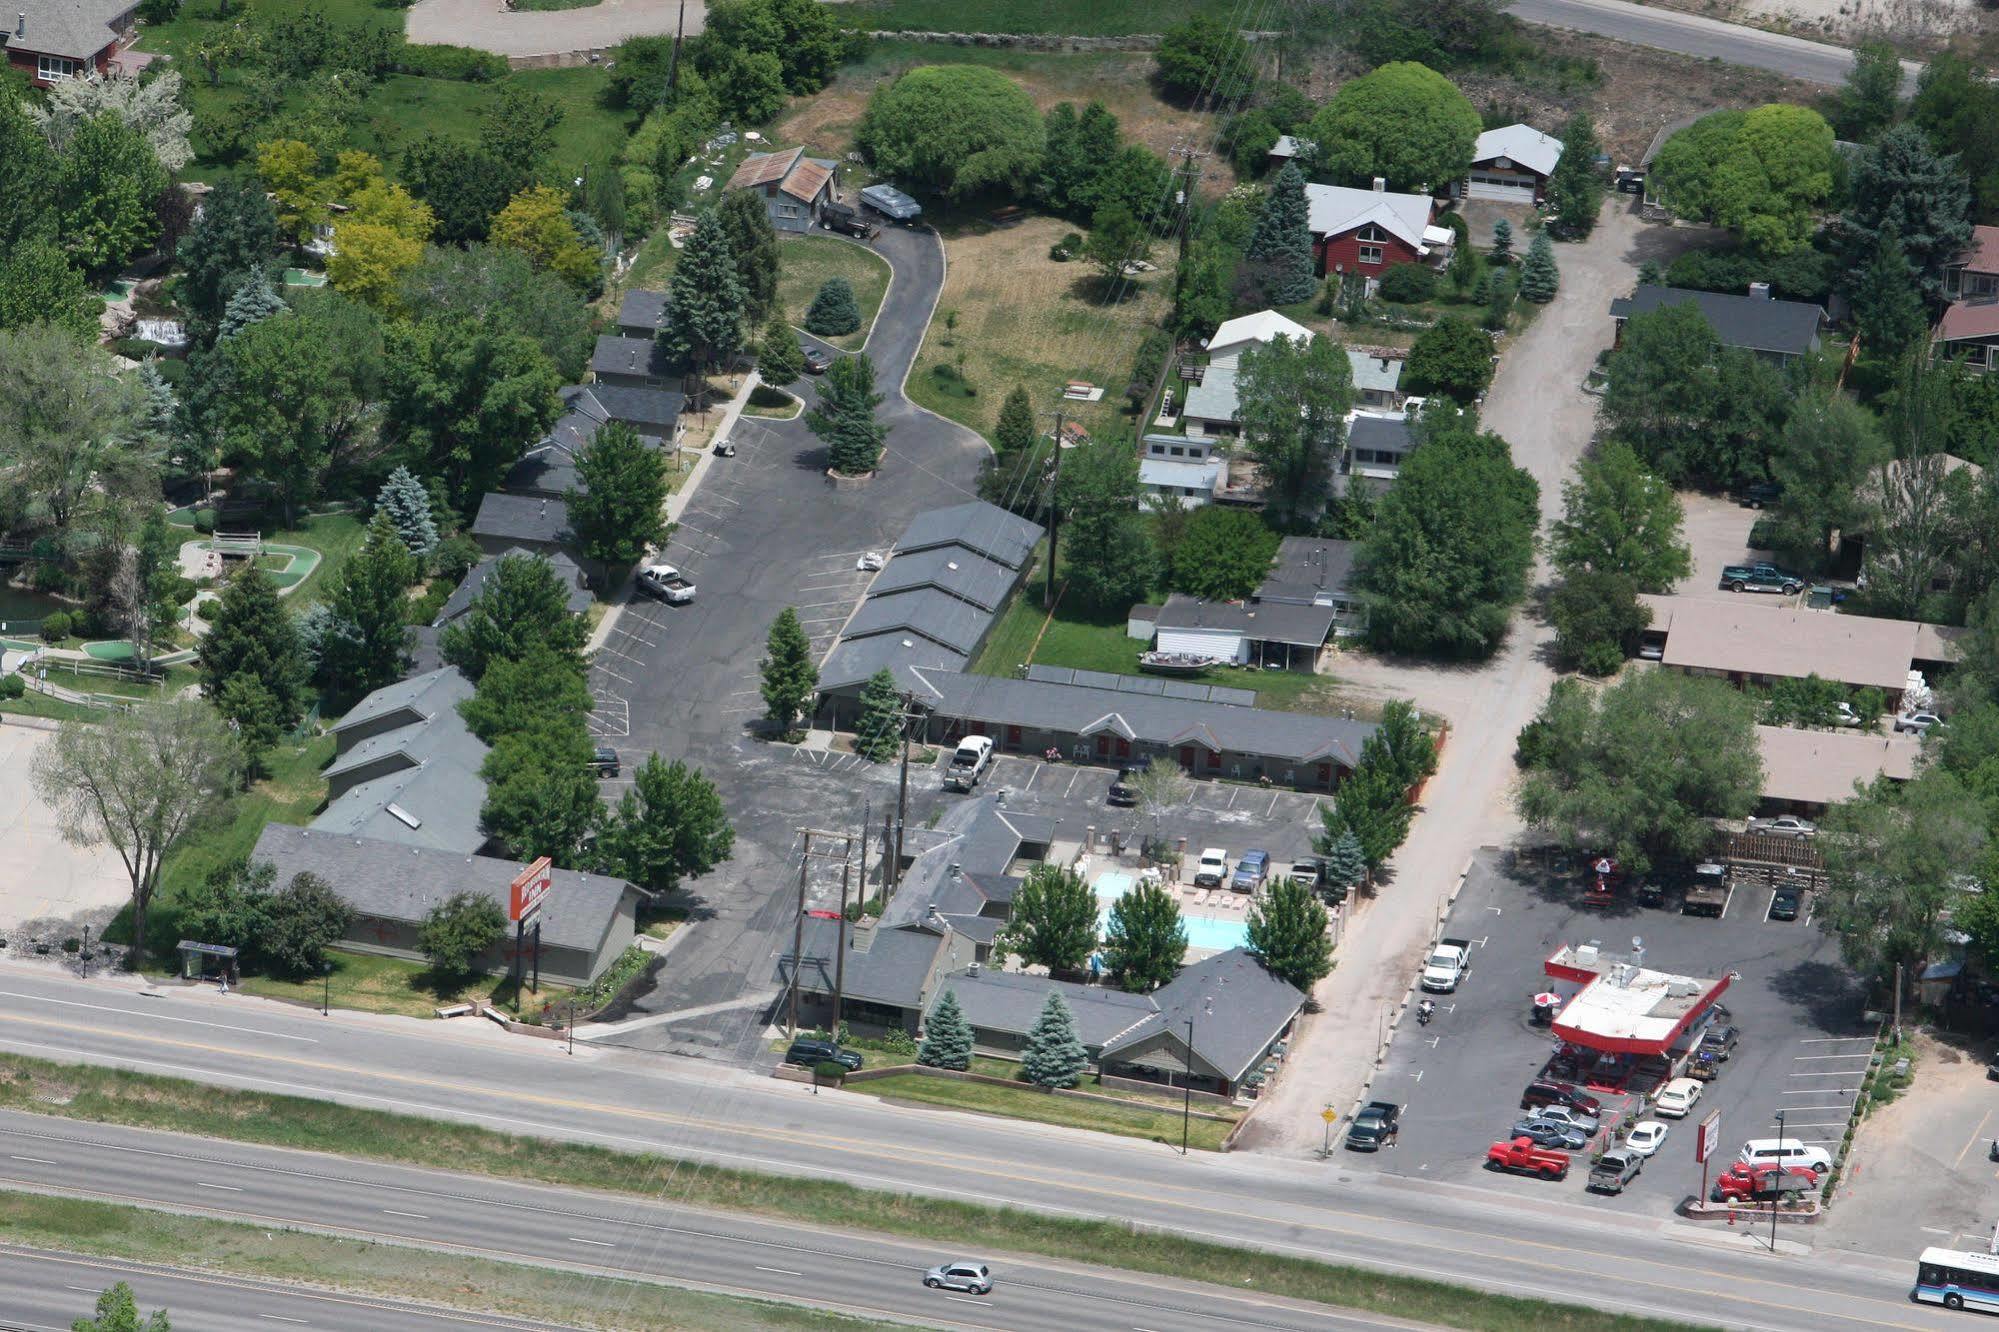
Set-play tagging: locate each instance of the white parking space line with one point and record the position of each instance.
(1074, 778)
(1833, 1040)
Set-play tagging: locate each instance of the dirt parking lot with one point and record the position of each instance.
(55, 888)
(1717, 529)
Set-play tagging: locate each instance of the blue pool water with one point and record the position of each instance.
(1211, 934)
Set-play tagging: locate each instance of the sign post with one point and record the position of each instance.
(1329, 1115)
(524, 898)
(1704, 1143)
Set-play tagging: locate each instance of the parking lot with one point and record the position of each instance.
(1717, 531)
(1803, 1049)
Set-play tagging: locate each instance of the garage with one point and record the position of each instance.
(1511, 164)
(1218, 644)
(1500, 188)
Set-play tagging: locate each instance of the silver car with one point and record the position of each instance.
(960, 1275)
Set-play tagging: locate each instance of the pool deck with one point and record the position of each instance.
(1205, 911)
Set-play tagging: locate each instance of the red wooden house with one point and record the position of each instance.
(1369, 231)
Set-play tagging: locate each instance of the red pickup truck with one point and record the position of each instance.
(1523, 1157)
(1762, 1182)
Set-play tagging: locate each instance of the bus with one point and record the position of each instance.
(1957, 1280)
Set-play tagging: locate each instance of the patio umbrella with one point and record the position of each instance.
(1547, 999)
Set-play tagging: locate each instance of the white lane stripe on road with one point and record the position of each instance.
(226, 1188)
(36, 1160)
(781, 1271)
(966, 1299)
(280, 1318)
(157, 1017)
(602, 1244)
(414, 1216)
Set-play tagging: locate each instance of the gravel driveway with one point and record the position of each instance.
(490, 26)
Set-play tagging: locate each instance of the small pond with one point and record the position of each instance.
(21, 611)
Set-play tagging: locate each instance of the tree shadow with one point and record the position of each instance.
(1830, 995)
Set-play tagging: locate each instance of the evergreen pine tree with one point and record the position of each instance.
(407, 503)
(1502, 241)
(255, 301)
(1481, 287)
(705, 301)
(780, 360)
(753, 240)
(1650, 274)
(368, 650)
(947, 1036)
(789, 677)
(845, 417)
(1016, 423)
(1539, 278)
(1886, 307)
(833, 310)
(251, 636)
(1287, 932)
(1343, 863)
(160, 402)
(1281, 243)
(879, 728)
(1054, 1057)
(1499, 304)
(1575, 190)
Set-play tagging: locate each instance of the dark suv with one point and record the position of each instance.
(1559, 1093)
(604, 761)
(1124, 789)
(810, 1052)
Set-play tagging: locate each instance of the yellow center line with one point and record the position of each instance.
(1561, 1256)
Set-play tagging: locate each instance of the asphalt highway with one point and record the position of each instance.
(581, 1236)
(1514, 1236)
(1697, 35)
(47, 1292)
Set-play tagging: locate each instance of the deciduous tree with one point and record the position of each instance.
(1054, 921)
(959, 129)
(522, 604)
(1617, 518)
(138, 782)
(1597, 619)
(1117, 240)
(1867, 102)
(516, 692)
(466, 398)
(1079, 147)
(118, 1311)
(535, 224)
(495, 289)
(38, 285)
(618, 505)
(65, 418)
(669, 827)
(107, 189)
(1763, 173)
(541, 797)
(458, 931)
(1144, 939)
(1206, 61)
(1404, 122)
(1223, 554)
(1825, 460)
(1293, 397)
(1110, 559)
(1287, 932)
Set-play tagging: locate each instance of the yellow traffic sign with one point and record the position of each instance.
(1329, 1114)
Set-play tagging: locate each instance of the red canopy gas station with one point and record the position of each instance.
(1626, 1019)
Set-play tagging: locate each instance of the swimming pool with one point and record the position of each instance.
(1210, 934)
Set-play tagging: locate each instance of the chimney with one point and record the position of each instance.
(1759, 291)
(1380, 185)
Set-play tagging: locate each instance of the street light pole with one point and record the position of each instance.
(326, 989)
(1187, 1088)
(1776, 1195)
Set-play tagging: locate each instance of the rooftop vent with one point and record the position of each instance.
(403, 816)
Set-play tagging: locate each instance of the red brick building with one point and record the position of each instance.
(1369, 231)
(53, 40)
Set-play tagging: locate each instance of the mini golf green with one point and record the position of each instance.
(110, 649)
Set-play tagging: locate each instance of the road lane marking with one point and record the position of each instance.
(226, 1188)
(37, 1160)
(781, 1271)
(1361, 1225)
(158, 1017)
(280, 1318)
(1976, 1134)
(414, 1216)
(602, 1244)
(967, 1299)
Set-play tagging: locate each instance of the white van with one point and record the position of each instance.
(1785, 1151)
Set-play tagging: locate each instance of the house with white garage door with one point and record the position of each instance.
(1511, 164)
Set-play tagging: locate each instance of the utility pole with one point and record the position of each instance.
(902, 790)
(1054, 516)
(798, 937)
(840, 930)
(1188, 175)
(673, 66)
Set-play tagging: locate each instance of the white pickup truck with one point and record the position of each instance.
(667, 583)
(1449, 961)
(970, 762)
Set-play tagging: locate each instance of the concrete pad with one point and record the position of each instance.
(49, 879)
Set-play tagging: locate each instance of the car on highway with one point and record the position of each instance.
(1213, 869)
(1678, 1097)
(1550, 1133)
(1917, 722)
(808, 1052)
(1374, 1127)
(1785, 825)
(817, 361)
(960, 1274)
(1646, 1137)
(1124, 786)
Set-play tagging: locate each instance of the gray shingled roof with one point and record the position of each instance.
(393, 882)
(853, 661)
(1270, 622)
(523, 518)
(964, 575)
(550, 468)
(616, 354)
(1237, 1007)
(1787, 328)
(891, 970)
(650, 411)
(436, 805)
(937, 616)
(77, 29)
(1011, 1002)
(419, 696)
(1308, 566)
(642, 309)
(1387, 433)
(1286, 737)
(985, 529)
(443, 738)
(566, 569)
(963, 863)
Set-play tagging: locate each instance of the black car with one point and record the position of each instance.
(1374, 1127)
(604, 761)
(1559, 1093)
(1720, 1040)
(811, 1052)
(839, 217)
(817, 361)
(1784, 903)
(1124, 789)
(1758, 494)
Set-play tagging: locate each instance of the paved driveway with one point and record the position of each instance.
(766, 531)
(490, 26)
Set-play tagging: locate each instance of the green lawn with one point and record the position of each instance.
(1027, 1103)
(1082, 18)
(336, 536)
(808, 261)
(32, 704)
(396, 985)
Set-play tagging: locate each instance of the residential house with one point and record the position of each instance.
(566, 571)
(1316, 571)
(1746, 642)
(1777, 330)
(1377, 379)
(1369, 231)
(936, 600)
(1378, 443)
(529, 522)
(1275, 634)
(1975, 273)
(585, 922)
(794, 187)
(1969, 332)
(1805, 771)
(1182, 468)
(1289, 148)
(1511, 164)
(1212, 1027)
(50, 41)
(405, 767)
(549, 468)
(629, 362)
(642, 313)
(1209, 411)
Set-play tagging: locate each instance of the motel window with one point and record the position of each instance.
(1177, 451)
(54, 69)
